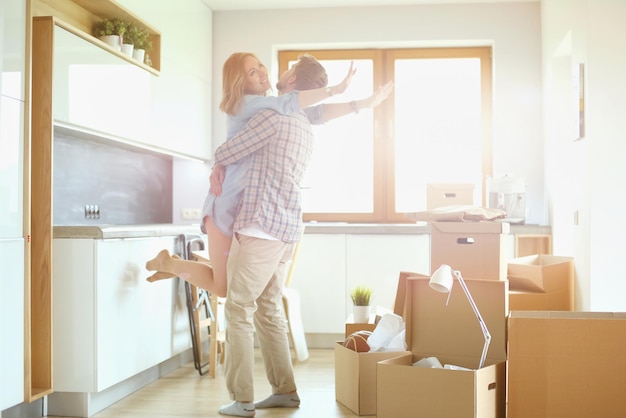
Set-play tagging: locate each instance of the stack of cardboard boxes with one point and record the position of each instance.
(533, 338)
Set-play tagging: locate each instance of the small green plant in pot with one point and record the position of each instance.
(111, 31)
(361, 297)
(140, 38)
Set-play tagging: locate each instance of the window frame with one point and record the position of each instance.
(383, 120)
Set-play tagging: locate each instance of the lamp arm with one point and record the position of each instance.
(481, 322)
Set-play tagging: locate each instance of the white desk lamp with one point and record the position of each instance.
(441, 281)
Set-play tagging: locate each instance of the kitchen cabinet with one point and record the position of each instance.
(330, 264)
(13, 359)
(320, 277)
(42, 17)
(181, 95)
(131, 106)
(11, 167)
(375, 260)
(13, 51)
(11, 322)
(110, 324)
(98, 91)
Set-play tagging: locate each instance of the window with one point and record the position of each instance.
(374, 166)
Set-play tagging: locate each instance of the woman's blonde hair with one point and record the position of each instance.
(233, 82)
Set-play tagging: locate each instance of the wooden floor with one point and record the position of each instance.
(185, 394)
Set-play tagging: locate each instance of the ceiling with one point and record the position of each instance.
(301, 4)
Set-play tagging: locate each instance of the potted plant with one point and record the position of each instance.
(361, 297)
(140, 39)
(128, 40)
(111, 31)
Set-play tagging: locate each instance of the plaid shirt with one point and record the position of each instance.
(280, 148)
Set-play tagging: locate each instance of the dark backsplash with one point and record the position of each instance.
(129, 187)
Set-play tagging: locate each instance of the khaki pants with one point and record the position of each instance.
(256, 275)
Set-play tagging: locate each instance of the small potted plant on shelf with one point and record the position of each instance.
(361, 297)
(128, 42)
(111, 31)
(140, 39)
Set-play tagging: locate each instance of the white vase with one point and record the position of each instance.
(361, 314)
(113, 41)
(127, 49)
(139, 54)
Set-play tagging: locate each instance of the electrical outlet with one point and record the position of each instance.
(92, 212)
(192, 214)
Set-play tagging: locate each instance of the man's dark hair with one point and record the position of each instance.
(310, 74)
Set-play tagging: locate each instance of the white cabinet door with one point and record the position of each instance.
(109, 322)
(11, 167)
(11, 322)
(320, 278)
(12, 48)
(133, 317)
(73, 309)
(377, 260)
(181, 94)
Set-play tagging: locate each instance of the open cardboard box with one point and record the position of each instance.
(476, 249)
(355, 373)
(541, 282)
(566, 364)
(453, 335)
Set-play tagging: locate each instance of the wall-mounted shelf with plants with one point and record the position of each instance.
(83, 17)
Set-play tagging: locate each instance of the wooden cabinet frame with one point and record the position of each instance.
(78, 17)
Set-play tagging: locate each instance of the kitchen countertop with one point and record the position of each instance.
(162, 230)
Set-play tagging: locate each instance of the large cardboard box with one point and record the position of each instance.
(453, 335)
(355, 373)
(449, 194)
(476, 249)
(541, 282)
(566, 364)
(355, 378)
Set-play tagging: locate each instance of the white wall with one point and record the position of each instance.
(587, 177)
(513, 29)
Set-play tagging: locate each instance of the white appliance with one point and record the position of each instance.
(509, 194)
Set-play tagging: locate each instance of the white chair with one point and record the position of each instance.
(291, 304)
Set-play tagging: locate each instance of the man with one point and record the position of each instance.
(268, 224)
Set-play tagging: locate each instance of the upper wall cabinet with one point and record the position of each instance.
(12, 48)
(95, 88)
(182, 94)
(99, 91)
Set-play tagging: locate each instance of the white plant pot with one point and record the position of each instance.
(113, 41)
(361, 314)
(139, 55)
(127, 49)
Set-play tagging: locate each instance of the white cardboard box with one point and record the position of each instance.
(453, 335)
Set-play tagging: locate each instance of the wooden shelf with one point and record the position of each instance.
(531, 244)
(81, 16)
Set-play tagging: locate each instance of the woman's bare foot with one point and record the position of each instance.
(159, 260)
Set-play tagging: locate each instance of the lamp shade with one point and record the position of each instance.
(442, 279)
